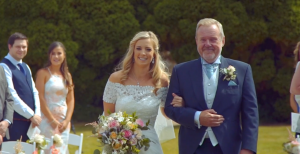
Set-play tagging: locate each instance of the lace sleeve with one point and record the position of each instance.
(162, 95)
(110, 93)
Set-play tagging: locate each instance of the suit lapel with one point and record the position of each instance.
(197, 82)
(221, 83)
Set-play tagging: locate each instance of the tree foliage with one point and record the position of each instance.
(97, 34)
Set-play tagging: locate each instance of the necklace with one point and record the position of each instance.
(137, 81)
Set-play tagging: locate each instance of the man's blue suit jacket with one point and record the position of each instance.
(237, 104)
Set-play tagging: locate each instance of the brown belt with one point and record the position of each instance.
(22, 119)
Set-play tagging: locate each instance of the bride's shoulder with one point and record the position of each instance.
(115, 77)
(164, 81)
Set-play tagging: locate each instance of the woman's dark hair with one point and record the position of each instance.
(64, 66)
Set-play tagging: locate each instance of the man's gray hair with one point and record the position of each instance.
(208, 22)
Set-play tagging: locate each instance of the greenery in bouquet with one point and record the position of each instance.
(120, 133)
(292, 146)
(39, 140)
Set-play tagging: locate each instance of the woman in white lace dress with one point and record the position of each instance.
(55, 87)
(140, 85)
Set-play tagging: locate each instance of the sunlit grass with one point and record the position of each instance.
(270, 140)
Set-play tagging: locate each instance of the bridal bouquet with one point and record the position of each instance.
(120, 133)
(292, 146)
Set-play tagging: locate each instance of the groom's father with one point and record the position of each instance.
(22, 88)
(220, 113)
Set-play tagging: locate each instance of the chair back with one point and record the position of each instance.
(9, 147)
(77, 141)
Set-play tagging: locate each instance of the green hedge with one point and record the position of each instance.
(96, 34)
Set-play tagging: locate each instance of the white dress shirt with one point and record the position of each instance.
(19, 105)
(209, 89)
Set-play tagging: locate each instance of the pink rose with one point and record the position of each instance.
(140, 122)
(53, 150)
(126, 133)
(295, 142)
(113, 123)
(133, 141)
(35, 152)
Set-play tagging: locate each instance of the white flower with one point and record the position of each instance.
(102, 129)
(231, 68)
(138, 133)
(38, 138)
(57, 140)
(120, 119)
(114, 152)
(21, 153)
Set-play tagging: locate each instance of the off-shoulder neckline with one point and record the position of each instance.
(135, 85)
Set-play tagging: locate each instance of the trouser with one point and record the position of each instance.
(19, 128)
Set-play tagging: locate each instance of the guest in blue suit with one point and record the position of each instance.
(21, 85)
(220, 114)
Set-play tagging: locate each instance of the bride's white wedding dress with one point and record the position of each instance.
(139, 99)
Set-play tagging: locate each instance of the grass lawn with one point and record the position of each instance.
(270, 140)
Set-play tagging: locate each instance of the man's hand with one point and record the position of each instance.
(177, 101)
(36, 120)
(3, 127)
(210, 118)
(245, 151)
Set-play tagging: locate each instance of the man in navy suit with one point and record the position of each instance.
(220, 114)
(20, 83)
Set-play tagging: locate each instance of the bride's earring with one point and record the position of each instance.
(153, 61)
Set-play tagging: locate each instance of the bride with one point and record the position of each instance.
(140, 85)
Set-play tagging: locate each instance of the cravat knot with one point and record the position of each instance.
(21, 68)
(210, 69)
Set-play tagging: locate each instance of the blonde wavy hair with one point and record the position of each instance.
(158, 70)
(297, 52)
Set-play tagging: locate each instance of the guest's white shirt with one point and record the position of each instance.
(209, 89)
(19, 105)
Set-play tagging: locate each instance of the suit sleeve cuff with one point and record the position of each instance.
(7, 121)
(196, 119)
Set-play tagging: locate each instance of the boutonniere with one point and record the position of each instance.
(229, 73)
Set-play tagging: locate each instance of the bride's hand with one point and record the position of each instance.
(177, 101)
(55, 124)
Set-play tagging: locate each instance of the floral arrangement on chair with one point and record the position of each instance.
(40, 141)
(18, 147)
(57, 142)
(292, 146)
(120, 133)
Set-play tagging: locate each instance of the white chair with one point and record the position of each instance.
(77, 141)
(9, 147)
(50, 142)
